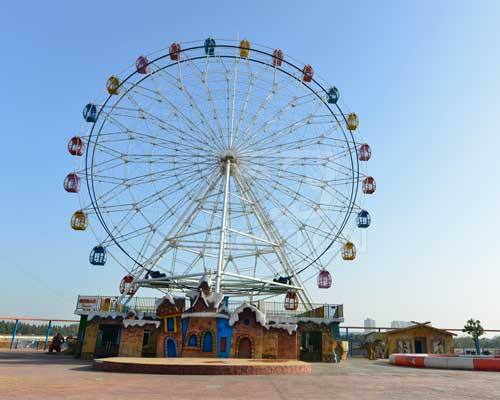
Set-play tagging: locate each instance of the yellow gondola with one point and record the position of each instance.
(352, 121)
(349, 251)
(245, 48)
(79, 221)
(113, 85)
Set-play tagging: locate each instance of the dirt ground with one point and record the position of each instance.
(29, 375)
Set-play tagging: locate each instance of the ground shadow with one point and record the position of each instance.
(38, 358)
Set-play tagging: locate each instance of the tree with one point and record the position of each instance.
(473, 327)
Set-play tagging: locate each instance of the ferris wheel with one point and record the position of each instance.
(220, 159)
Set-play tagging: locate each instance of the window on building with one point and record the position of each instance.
(170, 325)
(145, 338)
(223, 344)
(193, 341)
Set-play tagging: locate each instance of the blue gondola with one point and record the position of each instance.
(90, 112)
(333, 95)
(363, 219)
(98, 256)
(210, 47)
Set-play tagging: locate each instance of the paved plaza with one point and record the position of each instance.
(27, 375)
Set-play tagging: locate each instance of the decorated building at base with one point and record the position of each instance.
(206, 324)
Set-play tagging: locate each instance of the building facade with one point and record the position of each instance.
(418, 338)
(205, 325)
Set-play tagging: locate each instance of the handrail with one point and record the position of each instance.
(37, 319)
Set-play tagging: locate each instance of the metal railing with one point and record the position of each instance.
(147, 305)
(14, 343)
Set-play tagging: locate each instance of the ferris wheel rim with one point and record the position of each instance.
(350, 140)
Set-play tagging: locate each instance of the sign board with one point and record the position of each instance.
(87, 303)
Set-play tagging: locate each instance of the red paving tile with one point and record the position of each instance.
(42, 376)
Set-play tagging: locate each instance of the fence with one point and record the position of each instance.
(15, 340)
(148, 304)
(354, 335)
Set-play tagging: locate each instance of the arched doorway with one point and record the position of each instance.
(170, 347)
(245, 348)
(207, 345)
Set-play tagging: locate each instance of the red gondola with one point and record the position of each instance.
(75, 146)
(141, 64)
(364, 152)
(291, 301)
(324, 279)
(127, 287)
(175, 51)
(307, 73)
(369, 185)
(278, 58)
(72, 183)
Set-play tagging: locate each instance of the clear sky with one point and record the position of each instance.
(422, 76)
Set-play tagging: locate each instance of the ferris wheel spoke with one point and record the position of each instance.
(296, 194)
(203, 76)
(230, 111)
(242, 114)
(195, 106)
(180, 116)
(284, 209)
(262, 107)
(209, 135)
(263, 128)
(275, 136)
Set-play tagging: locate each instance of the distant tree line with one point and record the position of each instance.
(468, 343)
(7, 327)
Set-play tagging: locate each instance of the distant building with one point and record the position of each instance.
(418, 338)
(400, 324)
(370, 324)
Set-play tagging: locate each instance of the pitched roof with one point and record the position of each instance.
(419, 325)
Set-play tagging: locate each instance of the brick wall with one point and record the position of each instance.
(197, 326)
(253, 331)
(131, 341)
(287, 344)
(176, 336)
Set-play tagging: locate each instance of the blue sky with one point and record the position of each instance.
(422, 76)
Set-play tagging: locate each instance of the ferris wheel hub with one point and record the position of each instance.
(228, 155)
